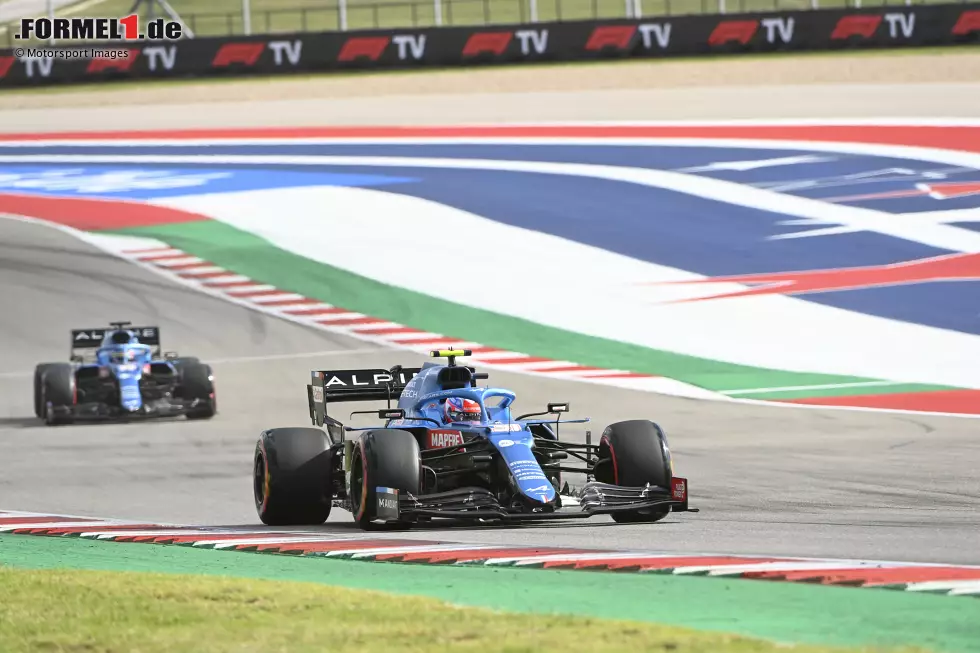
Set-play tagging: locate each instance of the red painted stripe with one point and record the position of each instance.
(486, 350)
(620, 375)
(349, 321)
(661, 563)
(954, 138)
(329, 310)
(388, 331)
(94, 214)
(163, 257)
(964, 402)
(292, 302)
(440, 557)
(188, 266)
(265, 292)
(228, 284)
(879, 576)
(197, 537)
(207, 275)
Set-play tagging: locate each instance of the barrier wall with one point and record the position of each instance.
(885, 27)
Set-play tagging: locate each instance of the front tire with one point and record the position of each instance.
(383, 458)
(197, 382)
(291, 477)
(634, 453)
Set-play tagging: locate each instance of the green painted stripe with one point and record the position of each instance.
(785, 612)
(250, 255)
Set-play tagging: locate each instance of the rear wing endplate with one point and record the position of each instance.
(332, 386)
(86, 340)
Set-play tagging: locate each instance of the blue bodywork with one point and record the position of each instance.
(422, 398)
(127, 362)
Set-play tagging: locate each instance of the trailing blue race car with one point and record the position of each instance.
(121, 373)
(452, 449)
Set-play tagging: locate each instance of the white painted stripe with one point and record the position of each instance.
(174, 262)
(961, 587)
(196, 271)
(305, 309)
(334, 316)
(407, 338)
(281, 297)
(368, 329)
(825, 386)
(734, 570)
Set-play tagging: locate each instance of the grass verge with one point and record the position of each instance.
(44, 610)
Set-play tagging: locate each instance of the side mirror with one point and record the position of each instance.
(558, 408)
(391, 413)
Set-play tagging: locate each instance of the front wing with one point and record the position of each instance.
(478, 503)
(100, 411)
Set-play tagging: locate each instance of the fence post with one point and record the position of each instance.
(246, 17)
(51, 16)
(437, 11)
(534, 11)
(342, 15)
(721, 6)
(637, 8)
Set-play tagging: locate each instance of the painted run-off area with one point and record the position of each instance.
(243, 209)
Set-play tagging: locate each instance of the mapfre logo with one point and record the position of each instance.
(440, 439)
(98, 29)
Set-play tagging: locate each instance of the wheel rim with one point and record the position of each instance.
(258, 481)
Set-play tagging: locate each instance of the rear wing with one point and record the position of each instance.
(87, 340)
(333, 386)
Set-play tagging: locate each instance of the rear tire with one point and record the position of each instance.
(197, 382)
(39, 403)
(58, 390)
(382, 458)
(634, 453)
(291, 477)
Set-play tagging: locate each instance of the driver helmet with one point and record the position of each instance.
(458, 409)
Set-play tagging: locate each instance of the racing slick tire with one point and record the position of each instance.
(57, 393)
(39, 405)
(197, 382)
(383, 458)
(634, 453)
(291, 477)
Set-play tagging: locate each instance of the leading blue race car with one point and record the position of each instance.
(121, 373)
(453, 450)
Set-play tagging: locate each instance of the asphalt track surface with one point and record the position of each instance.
(786, 481)
(782, 481)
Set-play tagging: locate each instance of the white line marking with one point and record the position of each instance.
(825, 386)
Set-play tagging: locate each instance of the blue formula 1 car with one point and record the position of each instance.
(121, 373)
(452, 449)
